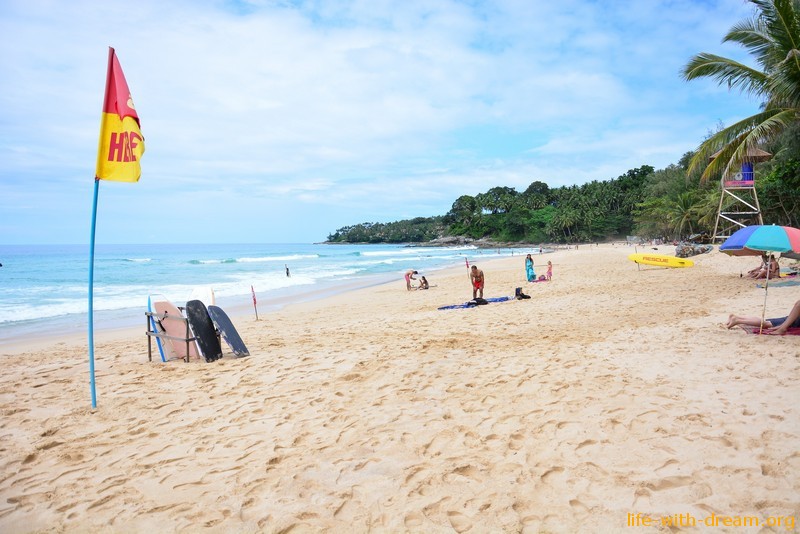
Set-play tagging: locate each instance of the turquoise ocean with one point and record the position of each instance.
(44, 288)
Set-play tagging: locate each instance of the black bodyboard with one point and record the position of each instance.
(228, 331)
(203, 330)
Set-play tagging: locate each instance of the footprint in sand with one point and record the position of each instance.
(666, 464)
(578, 507)
(669, 483)
(413, 520)
(459, 521)
(469, 471)
(413, 472)
(549, 475)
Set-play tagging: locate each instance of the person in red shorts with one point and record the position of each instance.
(476, 276)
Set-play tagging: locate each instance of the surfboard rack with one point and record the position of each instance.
(151, 333)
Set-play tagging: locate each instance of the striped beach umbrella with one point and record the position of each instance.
(760, 239)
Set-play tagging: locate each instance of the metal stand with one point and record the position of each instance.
(742, 208)
(151, 317)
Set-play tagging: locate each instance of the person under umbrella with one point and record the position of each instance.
(778, 325)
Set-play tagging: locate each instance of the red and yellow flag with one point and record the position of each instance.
(121, 143)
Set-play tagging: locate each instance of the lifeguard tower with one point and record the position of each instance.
(738, 203)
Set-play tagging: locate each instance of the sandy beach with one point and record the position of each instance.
(613, 397)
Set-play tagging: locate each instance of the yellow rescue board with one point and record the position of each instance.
(661, 260)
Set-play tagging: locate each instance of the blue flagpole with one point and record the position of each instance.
(91, 295)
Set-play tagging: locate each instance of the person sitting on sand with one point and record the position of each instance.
(423, 283)
(477, 279)
(773, 267)
(753, 273)
(770, 268)
(409, 277)
(778, 325)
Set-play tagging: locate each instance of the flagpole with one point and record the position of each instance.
(253, 291)
(91, 294)
(119, 149)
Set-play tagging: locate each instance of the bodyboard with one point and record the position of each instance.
(155, 325)
(660, 260)
(205, 294)
(203, 330)
(173, 325)
(223, 323)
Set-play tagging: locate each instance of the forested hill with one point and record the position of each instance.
(670, 203)
(590, 212)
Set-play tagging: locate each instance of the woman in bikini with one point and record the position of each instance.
(409, 277)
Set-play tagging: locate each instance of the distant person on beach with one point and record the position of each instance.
(477, 279)
(778, 325)
(287, 271)
(772, 268)
(423, 283)
(753, 273)
(530, 274)
(549, 270)
(409, 277)
(769, 268)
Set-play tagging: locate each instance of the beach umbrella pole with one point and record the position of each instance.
(766, 291)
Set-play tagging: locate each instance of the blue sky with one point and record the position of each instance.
(281, 121)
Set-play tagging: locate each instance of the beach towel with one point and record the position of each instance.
(754, 330)
(472, 303)
(781, 282)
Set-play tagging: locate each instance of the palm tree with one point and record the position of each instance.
(772, 36)
(682, 211)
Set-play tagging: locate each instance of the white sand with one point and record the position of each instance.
(612, 391)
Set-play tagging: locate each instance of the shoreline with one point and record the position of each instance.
(14, 345)
(373, 410)
(124, 326)
(73, 326)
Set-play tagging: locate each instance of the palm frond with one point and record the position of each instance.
(734, 141)
(754, 36)
(724, 70)
(772, 36)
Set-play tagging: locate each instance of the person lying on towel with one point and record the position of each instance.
(779, 325)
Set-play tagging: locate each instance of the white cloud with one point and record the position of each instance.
(338, 107)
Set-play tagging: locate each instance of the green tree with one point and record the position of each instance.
(464, 210)
(682, 213)
(503, 198)
(772, 36)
